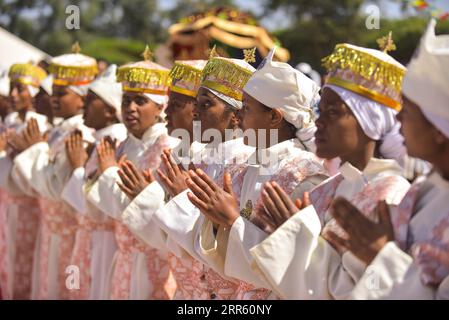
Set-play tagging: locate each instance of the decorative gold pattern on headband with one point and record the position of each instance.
(213, 52)
(185, 72)
(143, 75)
(226, 77)
(373, 95)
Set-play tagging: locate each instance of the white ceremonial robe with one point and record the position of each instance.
(45, 167)
(95, 243)
(403, 269)
(138, 270)
(138, 217)
(182, 222)
(21, 215)
(296, 171)
(297, 262)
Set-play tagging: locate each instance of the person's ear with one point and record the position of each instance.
(234, 123)
(276, 117)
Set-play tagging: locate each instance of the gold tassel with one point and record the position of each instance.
(185, 72)
(386, 43)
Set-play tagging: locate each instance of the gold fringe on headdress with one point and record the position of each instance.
(228, 77)
(142, 75)
(187, 74)
(366, 65)
(27, 73)
(67, 70)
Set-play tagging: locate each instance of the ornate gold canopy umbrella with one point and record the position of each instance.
(191, 37)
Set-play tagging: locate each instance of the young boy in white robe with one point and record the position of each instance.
(357, 117)
(20, 207)
(46, 168)
(95, 243)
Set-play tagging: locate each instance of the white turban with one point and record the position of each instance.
(32, 90)
(426, 81)
(108, 89)
(157, 98)
(80, 90)
(378, 122)
(279, 86)
(47, 84)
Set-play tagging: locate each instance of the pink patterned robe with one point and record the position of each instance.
(298, 263)
(138, 271)
(45, 167)
(21, 217)
(416, 264)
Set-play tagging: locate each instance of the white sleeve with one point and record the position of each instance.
(392, 275)
(73, 191)
(5, 169)
(299, 264)
(243, 236)
(106, 195)
(138, 216)
(180, 220)
(47, 177)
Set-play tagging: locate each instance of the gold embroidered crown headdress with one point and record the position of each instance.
(186, 76)
(144, 76)
(73, 68)
(228, 76)
(27, 73)
(371, 73)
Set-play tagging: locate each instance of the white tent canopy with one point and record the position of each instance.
(15, 50)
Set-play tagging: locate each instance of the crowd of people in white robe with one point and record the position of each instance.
(339, 192)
